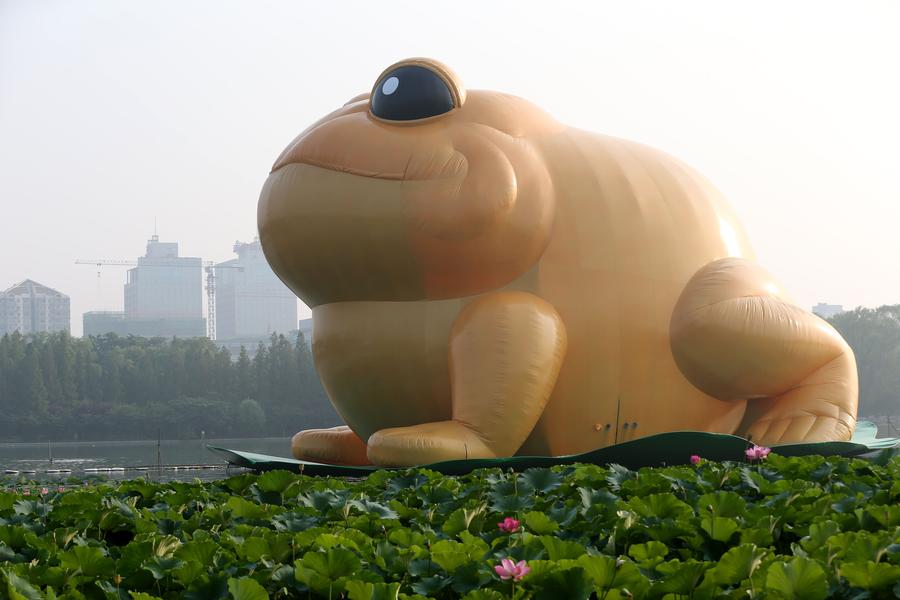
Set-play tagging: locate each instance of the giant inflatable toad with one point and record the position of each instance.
(487, 282)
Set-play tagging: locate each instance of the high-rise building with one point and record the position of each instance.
(251, 302)
(29, 307)
(826, 311)
(164, 294)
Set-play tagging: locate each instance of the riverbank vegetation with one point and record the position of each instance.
(56, 387)
(810, 528)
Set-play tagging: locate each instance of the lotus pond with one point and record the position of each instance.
(808, 527)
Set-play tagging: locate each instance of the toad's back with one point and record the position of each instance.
(633, 224)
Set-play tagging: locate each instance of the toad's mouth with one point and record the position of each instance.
(355, 144)
(452, 168)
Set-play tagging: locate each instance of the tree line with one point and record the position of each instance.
(56, 387)
(874, 335)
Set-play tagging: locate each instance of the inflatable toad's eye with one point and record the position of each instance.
(411, 92)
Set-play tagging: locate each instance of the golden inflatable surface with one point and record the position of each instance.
(487, 282)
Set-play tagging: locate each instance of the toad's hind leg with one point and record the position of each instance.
(734, 337)
(506, 349)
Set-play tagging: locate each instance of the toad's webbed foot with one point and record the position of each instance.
(814, 410)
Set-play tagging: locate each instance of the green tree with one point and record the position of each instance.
(33, 393)
(306, 369)
(243, 375)
(49, 371)
(874, 335)
(261, 379)
(250, 416)
(64, 352)
(113, 389)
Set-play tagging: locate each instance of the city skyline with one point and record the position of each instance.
(164, 296)
(76, 322)
(113, 115)
(822, 309)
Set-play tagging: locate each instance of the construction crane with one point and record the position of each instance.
(208, 266)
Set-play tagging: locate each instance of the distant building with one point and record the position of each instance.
(100, 322)
(826, 311)
(29, 307)
(251, 302)
(306, 328)
(103, 322)
(164, 293)
(163, 297)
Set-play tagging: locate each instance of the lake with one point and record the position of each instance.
(130, 459)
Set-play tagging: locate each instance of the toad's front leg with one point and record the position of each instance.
(506, 350)
(735, 338)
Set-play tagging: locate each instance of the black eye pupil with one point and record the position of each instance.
(409, 93)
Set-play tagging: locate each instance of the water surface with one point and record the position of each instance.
(142, 458)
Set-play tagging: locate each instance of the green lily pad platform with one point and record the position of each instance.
(670, 448)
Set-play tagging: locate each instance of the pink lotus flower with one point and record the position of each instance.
(26, 493)
(44, 491)
(507, 569)
(61, 489)
(509, 525)
(695, 459)
(757, 452)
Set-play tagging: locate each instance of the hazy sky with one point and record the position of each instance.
(114, 113)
